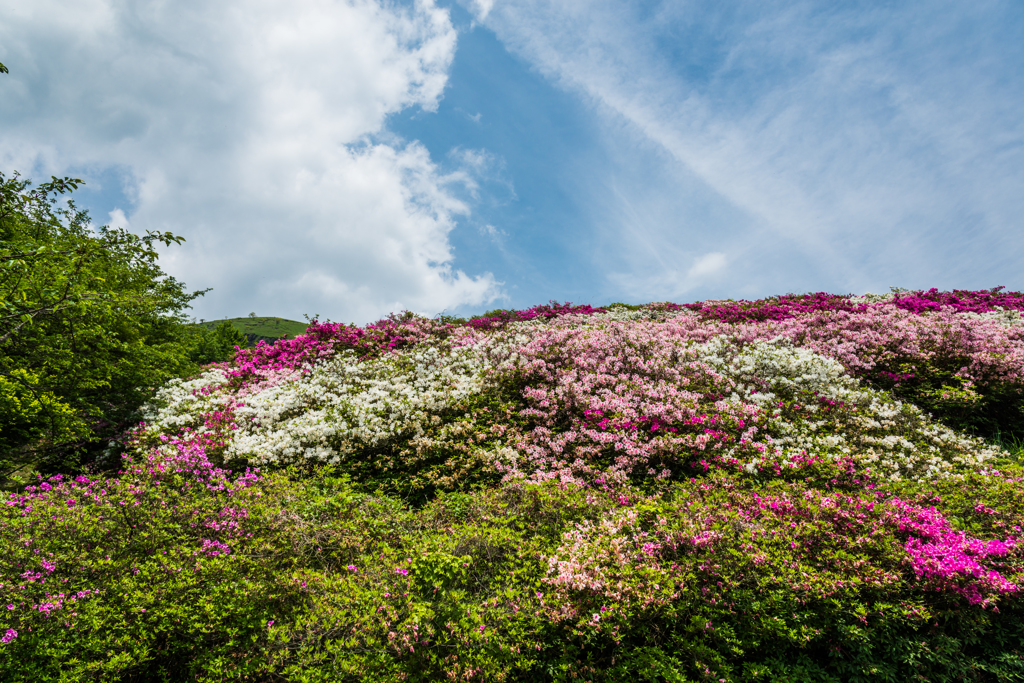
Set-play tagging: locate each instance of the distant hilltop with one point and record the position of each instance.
(255, 329)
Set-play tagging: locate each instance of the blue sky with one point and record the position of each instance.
(349, 159)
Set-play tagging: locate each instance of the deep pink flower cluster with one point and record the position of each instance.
(546, 311)
(797, 305)
(775, 308)
(324, 339)
(960, 300)
(823, 542)
(948, 557)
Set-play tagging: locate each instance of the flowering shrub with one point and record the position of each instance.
(759, 406)
(720, 579)
(795, 305)
(775, 308)
(722, 491)
(131, 573)
(635, 558)
(588, 398)
(500, 319)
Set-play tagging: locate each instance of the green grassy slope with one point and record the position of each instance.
(261, 327)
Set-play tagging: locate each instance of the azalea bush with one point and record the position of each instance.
(806, 487)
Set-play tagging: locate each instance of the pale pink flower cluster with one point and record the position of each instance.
(649, 398)
(629, 564)
(614, 559)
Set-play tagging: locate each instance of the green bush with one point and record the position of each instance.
(89, 325)
(175, 570)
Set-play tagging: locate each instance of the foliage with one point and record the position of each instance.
(88, 324)
(633, 493)
(216, 344)
(177, 570)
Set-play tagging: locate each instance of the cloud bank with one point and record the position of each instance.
(257, 130)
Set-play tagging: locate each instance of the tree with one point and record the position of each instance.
(216, 345)
(89, 324)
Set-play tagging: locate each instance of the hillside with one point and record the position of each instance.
(268, 329)
(803, 488)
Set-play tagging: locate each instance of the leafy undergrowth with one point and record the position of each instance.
(807, 488)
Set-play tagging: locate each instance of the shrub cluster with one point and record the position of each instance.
(652, 493)
(89, 326)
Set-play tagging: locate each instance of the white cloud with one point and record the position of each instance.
(256, 130)
(481, 8)
(707, 265)
(118, 220)
(668, 282)
(497, 235)
(851, 147)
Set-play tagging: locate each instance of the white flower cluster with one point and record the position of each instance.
(895, 439)
(1009, 318)
(621, 313)
(179, 403)
(870, 298)
(346, 405)
(768, 368)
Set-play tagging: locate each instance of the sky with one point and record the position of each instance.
(350, 158)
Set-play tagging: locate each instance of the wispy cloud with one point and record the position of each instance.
(847, 146)
(335, 157)
(481, 8)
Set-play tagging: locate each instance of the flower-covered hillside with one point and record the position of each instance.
(640, 395)
(814, 487)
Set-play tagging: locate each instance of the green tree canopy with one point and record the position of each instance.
(89, 324)
(216, 345)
